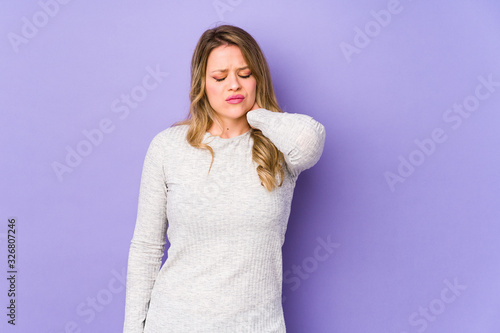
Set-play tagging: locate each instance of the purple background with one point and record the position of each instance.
(397, 249)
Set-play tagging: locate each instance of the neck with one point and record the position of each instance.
(229, 129)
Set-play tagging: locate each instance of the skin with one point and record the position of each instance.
(226, 63)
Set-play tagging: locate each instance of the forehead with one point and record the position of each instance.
(225, 57)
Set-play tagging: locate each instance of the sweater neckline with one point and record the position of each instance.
(216, 137)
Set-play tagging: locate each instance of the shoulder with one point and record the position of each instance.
(174, 134)
(167, 142)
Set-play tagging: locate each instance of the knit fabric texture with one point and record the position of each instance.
(223, 271)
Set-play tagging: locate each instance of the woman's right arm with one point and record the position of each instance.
(148, 242)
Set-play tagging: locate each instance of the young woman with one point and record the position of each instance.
(222, 181)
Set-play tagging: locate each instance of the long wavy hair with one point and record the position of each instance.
(201, 115)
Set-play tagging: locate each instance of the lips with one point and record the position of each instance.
(235, 97)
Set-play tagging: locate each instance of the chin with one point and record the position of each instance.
(236, 109)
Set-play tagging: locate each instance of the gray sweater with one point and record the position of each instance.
(223, 272)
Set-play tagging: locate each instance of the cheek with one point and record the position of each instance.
(210, 90)
(252, 88)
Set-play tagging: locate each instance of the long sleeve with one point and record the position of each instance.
(149, 238)
(299, 137)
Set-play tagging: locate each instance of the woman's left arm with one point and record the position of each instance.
(298, 136)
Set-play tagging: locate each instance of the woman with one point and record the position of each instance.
(222, 181)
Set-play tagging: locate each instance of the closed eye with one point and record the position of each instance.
(243, 77)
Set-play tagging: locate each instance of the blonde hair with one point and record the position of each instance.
(201, 115)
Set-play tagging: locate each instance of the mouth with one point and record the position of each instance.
(235, 99)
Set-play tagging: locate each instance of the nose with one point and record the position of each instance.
(233, 82)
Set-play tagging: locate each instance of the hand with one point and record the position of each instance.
(254, 107)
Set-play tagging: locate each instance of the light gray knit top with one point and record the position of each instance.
(223, 272)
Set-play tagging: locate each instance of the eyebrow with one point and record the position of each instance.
(225, 70)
